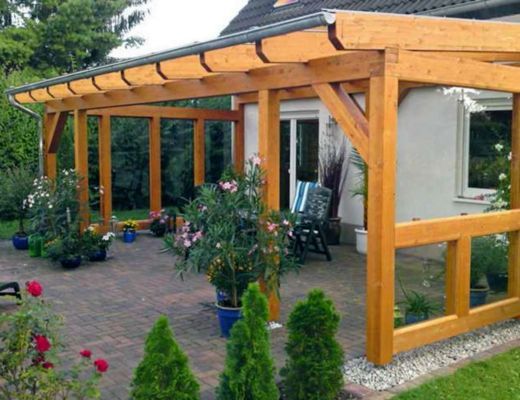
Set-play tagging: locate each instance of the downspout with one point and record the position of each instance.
(38, 119)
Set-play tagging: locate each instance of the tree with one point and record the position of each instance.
(163, 373)
(249, 369)
(313, 370)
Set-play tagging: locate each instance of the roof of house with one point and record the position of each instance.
(263, 12)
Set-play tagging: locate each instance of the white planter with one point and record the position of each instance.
(361, 240)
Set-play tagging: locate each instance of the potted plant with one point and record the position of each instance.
(96, 244)
(361, 190)
(418, 307)
(333, 175)
(230, 236)
(485, 256)
(17, 184)
(159, 222)
(67, 249)
(129, 230)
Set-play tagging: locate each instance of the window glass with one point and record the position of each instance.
(218, 149)
(485, 164)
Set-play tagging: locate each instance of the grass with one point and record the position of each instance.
(493, 379)
(8, 228)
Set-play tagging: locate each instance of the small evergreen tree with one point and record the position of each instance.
(163, 374)
(313, 370)
(249, 369)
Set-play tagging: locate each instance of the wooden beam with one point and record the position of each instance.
(371, 31)
(514, 238)
(237, 58)
(347, 67)
(458, 265)
(269, 144)
(49, 158)
(412, 336)
(421, 233)
(382, 107)
(350, 118)
(239, 141)
(155, 163)
(199, 152)
(56, 124)
(168, 112)
(443, 70)
(105, 168)
(81, 164)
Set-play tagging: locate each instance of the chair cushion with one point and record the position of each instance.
(300, 198)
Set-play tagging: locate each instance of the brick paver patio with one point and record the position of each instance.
(109, 307)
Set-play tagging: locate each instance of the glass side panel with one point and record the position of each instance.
(285, 164)
(218, 149)
(307, 150)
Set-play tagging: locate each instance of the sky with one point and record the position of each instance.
(172, 23)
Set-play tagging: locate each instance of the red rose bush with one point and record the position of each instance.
(29, 362)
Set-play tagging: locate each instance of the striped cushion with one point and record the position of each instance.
(300, 198)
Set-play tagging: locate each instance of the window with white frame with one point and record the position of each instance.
(486, 130)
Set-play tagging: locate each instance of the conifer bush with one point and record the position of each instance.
(313, 370)
(249, 369)
(163, 374)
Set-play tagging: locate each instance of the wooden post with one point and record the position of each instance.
(81, 163)
(105, 168)
(514, 237)
(238, 141)
(269, 144)
(458, 265)
(155, 163)
(384, 91)
(199, 152)
(49, 158)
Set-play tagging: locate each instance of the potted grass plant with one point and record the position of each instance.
(361, 190)
(485, 256)
(17, 185)
(418, 307)
(333, 171)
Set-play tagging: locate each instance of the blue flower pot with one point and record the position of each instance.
(477, 297)
(20, 242)
(227, 318)
(98, 256)
(71, 263)
(411, 318)
(129, 236)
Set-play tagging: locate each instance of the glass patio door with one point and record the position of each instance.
(299, 155)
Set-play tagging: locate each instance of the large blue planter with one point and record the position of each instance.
(477, 297)
(129, 236)
(98, 256)
(411, 318)
(20, 242)
(227, 318)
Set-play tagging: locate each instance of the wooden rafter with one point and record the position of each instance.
(347, 67)
(350, 118)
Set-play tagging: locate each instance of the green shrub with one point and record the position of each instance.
(313, 370)
(249, 369)
(163, 373)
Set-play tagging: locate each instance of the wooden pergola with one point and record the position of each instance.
(380, 55)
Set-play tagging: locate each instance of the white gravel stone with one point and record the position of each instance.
(417, 362)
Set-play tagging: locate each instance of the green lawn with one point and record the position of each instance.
(8, 229)
(495, 379)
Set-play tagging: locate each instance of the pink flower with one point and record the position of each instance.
(101, 365)
(85, 353)
(271, 226)
(256, 160)
(286, 223)
(187, 243)
(34, 288)
(197, 236)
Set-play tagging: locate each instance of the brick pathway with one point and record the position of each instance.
(110, 307)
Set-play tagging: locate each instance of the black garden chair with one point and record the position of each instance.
(10, 289)
(309, 232)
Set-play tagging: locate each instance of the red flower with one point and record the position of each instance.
(38, 359)
(42, 343)
(101, 365)
(34, 288)
(48, 365)
(85, 353)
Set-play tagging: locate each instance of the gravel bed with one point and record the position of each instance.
(417, 362)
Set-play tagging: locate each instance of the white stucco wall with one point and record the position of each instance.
(427, 156)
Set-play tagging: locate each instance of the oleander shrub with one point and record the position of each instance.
(249, 370)
(313, 370)
(164, 372)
